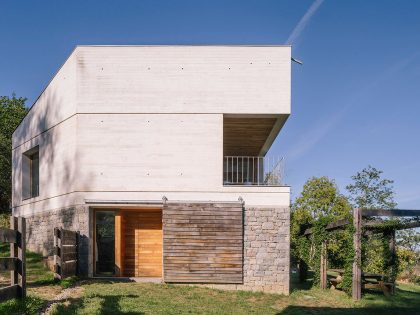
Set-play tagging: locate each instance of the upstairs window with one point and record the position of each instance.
(30, 173)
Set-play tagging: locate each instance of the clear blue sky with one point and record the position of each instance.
(355, 101)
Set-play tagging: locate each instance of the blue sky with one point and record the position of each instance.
(355, 101)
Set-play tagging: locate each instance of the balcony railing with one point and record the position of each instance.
(253, 170)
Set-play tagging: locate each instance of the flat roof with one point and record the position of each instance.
(187, 45)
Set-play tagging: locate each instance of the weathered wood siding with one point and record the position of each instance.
(203, 242)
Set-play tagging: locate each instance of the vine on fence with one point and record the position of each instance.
(309, 249)
(376, 255)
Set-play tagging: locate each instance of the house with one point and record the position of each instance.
(157, 155)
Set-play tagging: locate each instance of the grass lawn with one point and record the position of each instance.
(40, 285)
(108, 297)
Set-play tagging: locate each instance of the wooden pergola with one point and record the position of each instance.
(359, 224)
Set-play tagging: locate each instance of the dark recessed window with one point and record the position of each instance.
(30, 173)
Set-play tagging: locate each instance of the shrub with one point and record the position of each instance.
(4, 220)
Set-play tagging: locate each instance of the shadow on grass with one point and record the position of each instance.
(303, 310)
(402, 299)
(405, 301)
(296, 285)
(42, 283)
(108, 304)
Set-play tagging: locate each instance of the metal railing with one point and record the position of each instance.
(253, 170)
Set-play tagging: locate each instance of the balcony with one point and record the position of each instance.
(253, 171)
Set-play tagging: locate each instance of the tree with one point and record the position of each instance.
(369, 190)
(320, 199)
(12, 111)
(409, 239)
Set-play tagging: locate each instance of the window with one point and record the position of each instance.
(105, 243)
(30, 173)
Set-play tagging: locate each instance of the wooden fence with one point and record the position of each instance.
(16, 263)
(66, 253)
(360, 279)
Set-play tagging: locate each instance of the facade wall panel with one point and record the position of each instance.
(203, 242)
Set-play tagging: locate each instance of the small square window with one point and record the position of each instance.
(30, 173)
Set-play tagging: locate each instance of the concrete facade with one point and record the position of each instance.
(88, 120)
(129, 125)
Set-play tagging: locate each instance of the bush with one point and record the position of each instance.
(5, 220)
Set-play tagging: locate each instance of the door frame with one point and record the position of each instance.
(95, 210)
(119, 249)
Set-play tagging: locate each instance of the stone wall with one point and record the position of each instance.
(267, 249)
(40, 231)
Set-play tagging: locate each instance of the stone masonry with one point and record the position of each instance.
(267, 249)
(40, 231)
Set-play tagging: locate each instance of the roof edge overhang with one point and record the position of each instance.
(278, 125)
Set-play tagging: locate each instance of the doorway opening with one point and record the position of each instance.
(128, 242)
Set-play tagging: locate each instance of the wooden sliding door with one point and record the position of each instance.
(142, 239)
(203, 242)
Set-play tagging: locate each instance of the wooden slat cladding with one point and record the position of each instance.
(245, 136)
(203, 242)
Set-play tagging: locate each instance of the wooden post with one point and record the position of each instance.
(22, 256)
(57, 253)
(77, 253)
(357, 263)
(14, 275)
(393, 258)
(323, 271)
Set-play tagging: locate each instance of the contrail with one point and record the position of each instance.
(303, 21)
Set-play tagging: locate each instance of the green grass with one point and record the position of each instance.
(29, 305)
(41, 285)
(106, 297)
(36, 272)
(147, 298)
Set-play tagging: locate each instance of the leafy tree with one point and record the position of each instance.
(409, 239)
(369, 190)
(408, 251)
(319, 201)
(320, 197)
(12, 111)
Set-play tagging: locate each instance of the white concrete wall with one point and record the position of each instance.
(51, 124)
(150, 152)
(252, 196)
(184, 79)
(55, 104)
(57, 167)
(137, 123)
